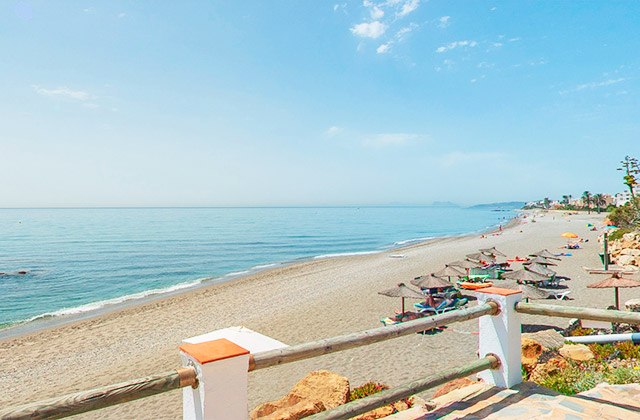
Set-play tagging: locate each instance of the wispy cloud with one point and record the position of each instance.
(400, 36)
(384, 17)
(456, 44)
(333, 131)
(373, 29)
(65, 92)
(408, 7)
(443, 22)
(594, 85)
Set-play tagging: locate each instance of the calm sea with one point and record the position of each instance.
(80, 260)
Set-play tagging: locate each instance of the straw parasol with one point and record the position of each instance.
(478, 256)
(492, 251)
(466, 264)
(525, 275)
(616, 281)
(569, 235)
(539, 260)
(402, 291)
(544, 253)
(528, 291)
(448, 272)
(430, 282)
(540, 269)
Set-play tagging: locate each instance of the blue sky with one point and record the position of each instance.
(127, 103)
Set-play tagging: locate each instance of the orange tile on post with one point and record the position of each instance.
(211, 351)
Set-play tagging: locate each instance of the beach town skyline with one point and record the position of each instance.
(345, 103)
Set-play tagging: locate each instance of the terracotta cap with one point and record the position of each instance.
(211, 351)
(498, 291)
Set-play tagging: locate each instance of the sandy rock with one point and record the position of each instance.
(453, 385)
(318, 391)
(629, 236)
(385, 411)
(531, 351)
(626, 260)
(577, 352)
(543, 370)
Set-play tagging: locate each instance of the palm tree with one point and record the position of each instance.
(546, 203)
(598, 200)
(586, 197)
(565, 199)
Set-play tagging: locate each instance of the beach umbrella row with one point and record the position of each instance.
(544, 253)
(539, 260)
(430, 282)
(492, 251)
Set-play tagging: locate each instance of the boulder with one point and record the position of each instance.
(631, 236)
(453, 385)
(318, 391)
(626, 260)
(531, 351)
(577, 352)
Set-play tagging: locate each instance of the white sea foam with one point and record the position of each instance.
(346, 254)
(410, 241)
(263, 266)
(237, 273)
(122, 299)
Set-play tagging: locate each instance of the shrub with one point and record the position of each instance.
(603, 352)
(371, 388)
(617, 234)
(626, 216)
(628, 350)
(579, 332)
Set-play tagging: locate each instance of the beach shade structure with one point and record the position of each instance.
(431, 282)
(528, 291)
(541, 269)
(402, 291)
(492, 251)
(525, 276)
(616, 281)
(544, 253)
(479, 256)
(449, 272)
(466, 264)
(539, 260)
(569, 235)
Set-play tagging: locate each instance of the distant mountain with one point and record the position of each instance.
(505, 205)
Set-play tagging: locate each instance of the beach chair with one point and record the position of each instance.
(560, 295)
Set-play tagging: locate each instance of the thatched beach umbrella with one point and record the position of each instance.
(616, 281)
(402, 291)
(448, 272)
(431, 282)
(492, 251)
(539, 260)
(544, 253)
(466, 264)
(478, 256)
(540, 269)
(525, 275)
(528, 291)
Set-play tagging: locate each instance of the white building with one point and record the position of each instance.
(622, 198)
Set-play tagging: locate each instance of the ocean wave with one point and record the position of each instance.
(237, 273)
(263, 266)
(345, 254)
(415, 240)
(115, 301)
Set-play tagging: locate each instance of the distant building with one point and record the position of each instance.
(622, 198)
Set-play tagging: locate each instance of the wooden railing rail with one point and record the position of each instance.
(97, 398)
(364, 338)
(382, 398)
(580, 313)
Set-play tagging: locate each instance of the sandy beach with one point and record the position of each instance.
(294, 304)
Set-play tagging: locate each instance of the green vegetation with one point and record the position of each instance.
(579, 377)
(627, 216)
(618, 233)
(371, 388)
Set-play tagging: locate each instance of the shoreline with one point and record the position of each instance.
(48, 321)
(294, 304)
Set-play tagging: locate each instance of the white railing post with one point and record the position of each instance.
(221, 360)
(501, 335)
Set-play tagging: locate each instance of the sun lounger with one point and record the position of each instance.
(474, 286)
(560, 295)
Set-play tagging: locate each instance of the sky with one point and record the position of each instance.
(269, 103)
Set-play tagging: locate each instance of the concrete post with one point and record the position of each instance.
(501, 335)
(221, 360)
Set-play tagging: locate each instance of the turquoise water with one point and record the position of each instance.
(81, 260)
